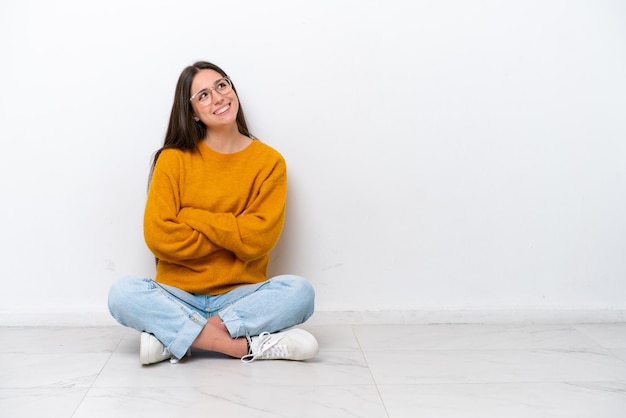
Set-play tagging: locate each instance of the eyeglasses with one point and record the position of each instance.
(205, 96)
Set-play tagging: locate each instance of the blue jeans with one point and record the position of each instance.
(176, 317)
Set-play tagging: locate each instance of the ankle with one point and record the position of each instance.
(219, 341)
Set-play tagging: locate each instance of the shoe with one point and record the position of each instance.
(293, 344)
(153, 351)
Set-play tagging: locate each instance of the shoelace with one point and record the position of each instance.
(267, 347)
(173, 359)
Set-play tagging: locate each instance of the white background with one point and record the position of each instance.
(444, 156)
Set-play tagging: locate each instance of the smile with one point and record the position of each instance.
(222, 110)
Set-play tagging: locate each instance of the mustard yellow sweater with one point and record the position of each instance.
(211, 219)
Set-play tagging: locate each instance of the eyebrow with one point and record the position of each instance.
(207, 88)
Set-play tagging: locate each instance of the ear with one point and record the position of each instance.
(197, 119)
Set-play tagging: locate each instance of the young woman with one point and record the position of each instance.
(215, 209)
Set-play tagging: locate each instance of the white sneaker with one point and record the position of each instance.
(293, 344)
(152, 350)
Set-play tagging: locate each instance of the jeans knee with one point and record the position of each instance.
(304, 294)
(310, 299)
(116, 296)
(306, 290)
(121, 294)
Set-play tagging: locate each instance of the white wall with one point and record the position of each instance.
(452, 156)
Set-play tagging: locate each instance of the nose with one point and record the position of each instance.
(216, 97)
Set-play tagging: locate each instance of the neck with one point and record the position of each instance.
(227, 140)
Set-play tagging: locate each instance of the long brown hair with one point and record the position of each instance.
(183, 132)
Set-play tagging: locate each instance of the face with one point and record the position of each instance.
(217, 109)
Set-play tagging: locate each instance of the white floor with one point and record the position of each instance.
(361, 371)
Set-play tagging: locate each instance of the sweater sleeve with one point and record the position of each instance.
(165, 234)
(253, 233)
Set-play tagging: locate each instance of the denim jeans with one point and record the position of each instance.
(176, 317)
